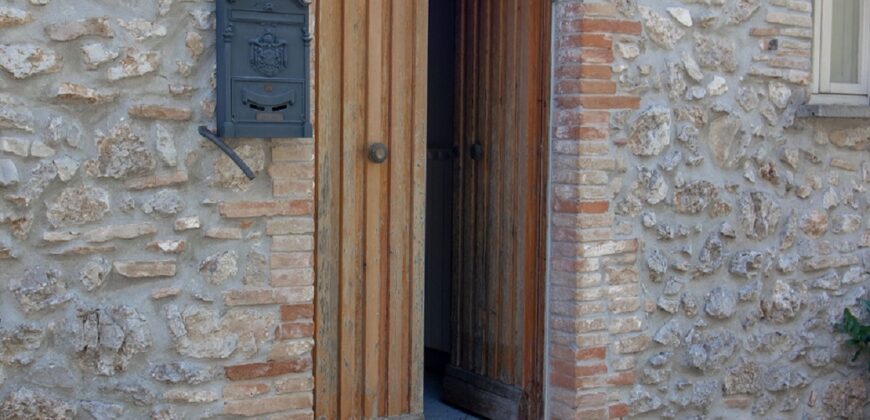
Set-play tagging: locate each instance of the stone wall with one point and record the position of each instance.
(706, 238)
(142, 274)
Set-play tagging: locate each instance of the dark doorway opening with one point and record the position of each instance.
(440, 160)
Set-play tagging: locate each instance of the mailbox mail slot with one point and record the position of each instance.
(263, 85)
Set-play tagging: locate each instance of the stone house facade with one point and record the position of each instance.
(707, 225)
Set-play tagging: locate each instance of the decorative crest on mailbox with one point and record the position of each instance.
(268, 54)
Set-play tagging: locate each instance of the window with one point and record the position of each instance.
(841, 58)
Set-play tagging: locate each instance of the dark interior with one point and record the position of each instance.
(439, 203)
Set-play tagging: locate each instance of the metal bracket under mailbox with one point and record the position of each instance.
(205, 132)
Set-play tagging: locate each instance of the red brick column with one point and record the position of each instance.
(280, 386)
(595, 305)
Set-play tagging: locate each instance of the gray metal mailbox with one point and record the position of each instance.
(263, 76)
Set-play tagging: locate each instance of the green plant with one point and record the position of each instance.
(859, 333)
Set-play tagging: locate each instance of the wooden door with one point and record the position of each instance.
(499, 261)
(370, 88)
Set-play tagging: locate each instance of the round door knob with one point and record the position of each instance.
(378, 152)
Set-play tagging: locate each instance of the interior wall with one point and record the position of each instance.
(441, 155)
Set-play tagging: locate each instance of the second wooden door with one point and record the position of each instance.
(499, 254)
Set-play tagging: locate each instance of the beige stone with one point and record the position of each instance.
(135, 63)
(267, 405)
(170, 246)
(224, 233)
(130, 231)
(71, 92)
(157, 181)
(194, 44)
(293, 384)
(14, 17)
(165, 292)
(141, 29)
(59, 236)
(78, 206)
(84, 250)
(160, 112)
(239, 391)
(68, 31)
(145, 269)
(191, 397)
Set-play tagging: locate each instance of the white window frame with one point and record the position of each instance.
(840, 93)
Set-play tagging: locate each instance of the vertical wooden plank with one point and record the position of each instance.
(469, 211)
(400, 203)
(480, 179)
(526, 87)
(328, 28)
(512, 195)
(377, 211)
(353, 202)
(418, 200)
(494, 159)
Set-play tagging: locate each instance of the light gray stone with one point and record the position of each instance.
(712, 255)
(105, 340)
(95, 273)
(95, 54)
(25, 403)
(651, 132)
(720, 303)
(15, 115)
(694, 197)
(184, 373)
(8, 173)
(66, 167)
(40, 178)
(759, 214)
(783, 304)
(657, 262)
(166, 145)
(19, 346)
(660, 29)
(727, 141)
(669, 334)
(165, 203)
(103, 411)
(26, 60)
(218, 268)
(682, 15)
(39, 289)
(713, 53)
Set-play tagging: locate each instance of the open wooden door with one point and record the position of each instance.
(371, 88)
(499, 262)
